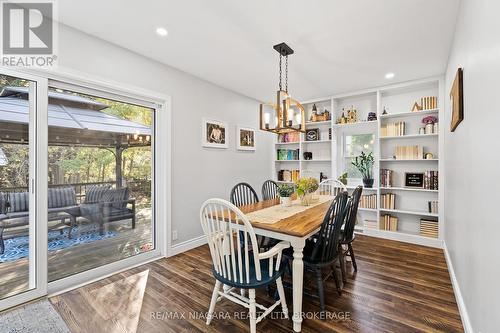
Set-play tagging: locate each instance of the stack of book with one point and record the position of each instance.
(433, 207)
(368, 201)
(288, 137)
(388, 201)
(371, 224)
(428, 103)
(393, 129)
(288, 175)
(288, 154)
(389, 222)
(409, 152)
(429, 228)
(386, 178)
(431, 180)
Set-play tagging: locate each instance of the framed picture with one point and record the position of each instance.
(246, 138)
(312, 134)
(214, 134)
(457, 100)
(414, 179)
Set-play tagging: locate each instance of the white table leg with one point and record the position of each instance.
(298, 279)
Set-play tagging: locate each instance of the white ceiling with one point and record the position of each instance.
(340, 45)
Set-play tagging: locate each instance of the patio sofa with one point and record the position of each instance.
(14, 209)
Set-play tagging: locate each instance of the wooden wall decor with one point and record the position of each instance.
(457, 100)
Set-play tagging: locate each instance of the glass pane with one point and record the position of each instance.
(354, 145)
(100, 168)
(14, 186)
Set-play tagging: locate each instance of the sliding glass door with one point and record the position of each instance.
(100, 180)
(22, 274)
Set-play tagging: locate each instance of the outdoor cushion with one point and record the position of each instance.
(112, 211)
(14, 215)
(94, 193)
(61, 197)
(117, 195)
(73, 210)
(3, 202)
(3, 217)
(19, 202)
(89, 210)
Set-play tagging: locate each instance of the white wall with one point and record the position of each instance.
(197, 173)
(472, 232)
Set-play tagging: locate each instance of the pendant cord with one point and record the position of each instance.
(281, 72)
(286, 74)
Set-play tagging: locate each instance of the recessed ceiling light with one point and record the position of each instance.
(389, 75)
(161, 31)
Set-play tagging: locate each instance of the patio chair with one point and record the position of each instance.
(108, 205)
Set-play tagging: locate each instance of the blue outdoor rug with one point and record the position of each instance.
(17, 247)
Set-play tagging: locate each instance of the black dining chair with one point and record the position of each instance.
(323, 251)
(347, 235)
(243, 194)
(269, 190)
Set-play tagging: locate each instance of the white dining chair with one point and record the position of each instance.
(237, 263)
(331, 187)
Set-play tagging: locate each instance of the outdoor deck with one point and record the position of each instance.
(82, 257)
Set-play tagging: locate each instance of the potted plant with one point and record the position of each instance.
(343, 178)
(305, 188)
(364, 163)
(285, 191)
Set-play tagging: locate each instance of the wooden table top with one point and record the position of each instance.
(300, 224)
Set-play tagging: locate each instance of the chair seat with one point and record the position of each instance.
(3, 217)
(253, 283)
(15, 215)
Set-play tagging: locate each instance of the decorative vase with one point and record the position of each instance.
(306, 199)
(436, 128)
(421, 131)
(285, 201)
(429, 128)
(368, 182)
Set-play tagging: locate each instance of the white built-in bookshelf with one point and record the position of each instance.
(331, 156)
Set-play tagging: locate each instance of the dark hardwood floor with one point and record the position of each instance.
(398, 288)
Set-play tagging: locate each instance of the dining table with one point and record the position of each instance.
(296, 227)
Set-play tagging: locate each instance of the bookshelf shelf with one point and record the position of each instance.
(368, 209)
(319, 123)
(317, 141)
(356, 124)
(408, 160)
(286, 143)
(409, 136)
(408, 212)
(408, 114)
(319, 160)
(408, 189)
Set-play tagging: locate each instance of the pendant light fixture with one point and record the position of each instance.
(286, 115)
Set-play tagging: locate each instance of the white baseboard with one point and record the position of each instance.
(458, 295)
(187, 245)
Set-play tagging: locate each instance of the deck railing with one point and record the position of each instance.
(138, 188)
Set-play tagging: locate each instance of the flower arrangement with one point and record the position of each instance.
(429, 120)
(285, 190)
(305, 188)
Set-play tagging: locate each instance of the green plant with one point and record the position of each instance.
(285, 190)
(364, 163)
(306, 185)
(343, 178)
